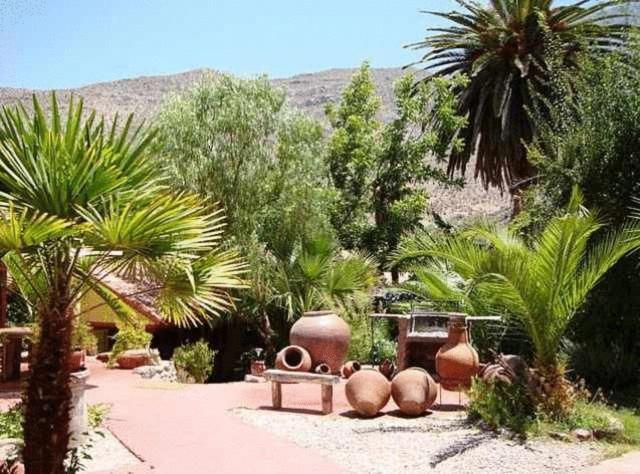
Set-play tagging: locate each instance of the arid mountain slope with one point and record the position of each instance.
(308, 92)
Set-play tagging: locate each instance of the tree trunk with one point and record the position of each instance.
(48, 394)
(266, 332)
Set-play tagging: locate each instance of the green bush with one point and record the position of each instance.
(196, 360)
(371, 340)
(129, 337)
(96, 414)
(501, 405)
(11, 422)
(83, 338)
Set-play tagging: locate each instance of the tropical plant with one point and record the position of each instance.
(194, 360)
(510, 49)
(78, 199)
(82, 337)
(542, 284)
(317, 276)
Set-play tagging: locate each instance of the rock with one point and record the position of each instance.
(560, 436)
(165, 371)
(253, 379)
(582, 434)
(613, 429)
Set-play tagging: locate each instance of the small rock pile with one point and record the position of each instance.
(164, 371)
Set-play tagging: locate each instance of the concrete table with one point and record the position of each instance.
(326, 382)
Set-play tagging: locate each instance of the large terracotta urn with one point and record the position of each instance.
(325, 335)
(457, 362)
(414, 391)
(293, 358)
(134, 358)
(368, 391)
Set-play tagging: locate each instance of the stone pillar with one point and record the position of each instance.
(79, 421)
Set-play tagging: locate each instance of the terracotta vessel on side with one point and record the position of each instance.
(325, 335)
(368, 391)
(323, 369)
(293, 358)
(350, 368)
(414, 391)
(457, 362)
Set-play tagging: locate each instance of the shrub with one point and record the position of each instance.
(97, 413)
(501, 405)
(371, 340)
(196, 360)
(83, 338)
(129, 337)
(11, 422)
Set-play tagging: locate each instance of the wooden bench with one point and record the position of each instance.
(326, 382)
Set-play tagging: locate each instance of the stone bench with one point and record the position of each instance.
(326, 382)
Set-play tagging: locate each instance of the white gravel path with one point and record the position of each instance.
(390, 444)
(107, 453)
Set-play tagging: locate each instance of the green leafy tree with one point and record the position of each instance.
(409, 156)
(543, 283)
(353, 148)
(79, 199)
(510, 50)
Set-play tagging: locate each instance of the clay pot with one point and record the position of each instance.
(457, 362)
(387, 368)
(325, 335)
(77, 360)
(257, 368)
(414, 391)
(293, 358)
(134, 358)
(350, 367)
(368, 391)
(323, 369)
(103, 357)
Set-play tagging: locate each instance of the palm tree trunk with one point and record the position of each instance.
(48, 394)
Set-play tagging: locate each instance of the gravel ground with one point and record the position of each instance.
(445, 444)
(107, 453)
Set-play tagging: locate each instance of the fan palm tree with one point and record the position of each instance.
(78, 200)
(542, 284)
(317, 276)
(510, 49)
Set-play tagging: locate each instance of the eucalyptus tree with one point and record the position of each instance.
(510, 50)
(80, 199)
(542, 284)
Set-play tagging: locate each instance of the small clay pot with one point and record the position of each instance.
(325, 335)
(414, 391)
(77, 360)
(103, 357)
(135, 358)
(368, 391)
(350, 367)
(293, 358)
(257, 368)
(457, 361)
(387, 368)
(323, 369)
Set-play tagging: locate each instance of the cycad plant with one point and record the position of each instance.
(542, 283)
(510, 49)
(318, 276)
(78, 200)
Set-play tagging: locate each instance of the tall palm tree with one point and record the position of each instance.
(542, 284)
(77, 200)
(510, 49)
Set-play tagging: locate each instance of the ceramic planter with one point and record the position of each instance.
(350, 368)
(293, 358)
(77, 360)
(457, 362)
(132, 359)
(257, 368)
(78, 416)
(368, 391)
(414, 391)
(325, 335)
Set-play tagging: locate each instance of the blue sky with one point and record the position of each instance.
(68, 43)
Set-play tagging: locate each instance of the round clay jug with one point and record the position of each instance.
(368, 391)
(457, 362)
(414, 391)
(325, 335)
(293, 358)
(350, 368)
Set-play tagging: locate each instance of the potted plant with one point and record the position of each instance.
(131, 348)
(83, 342)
